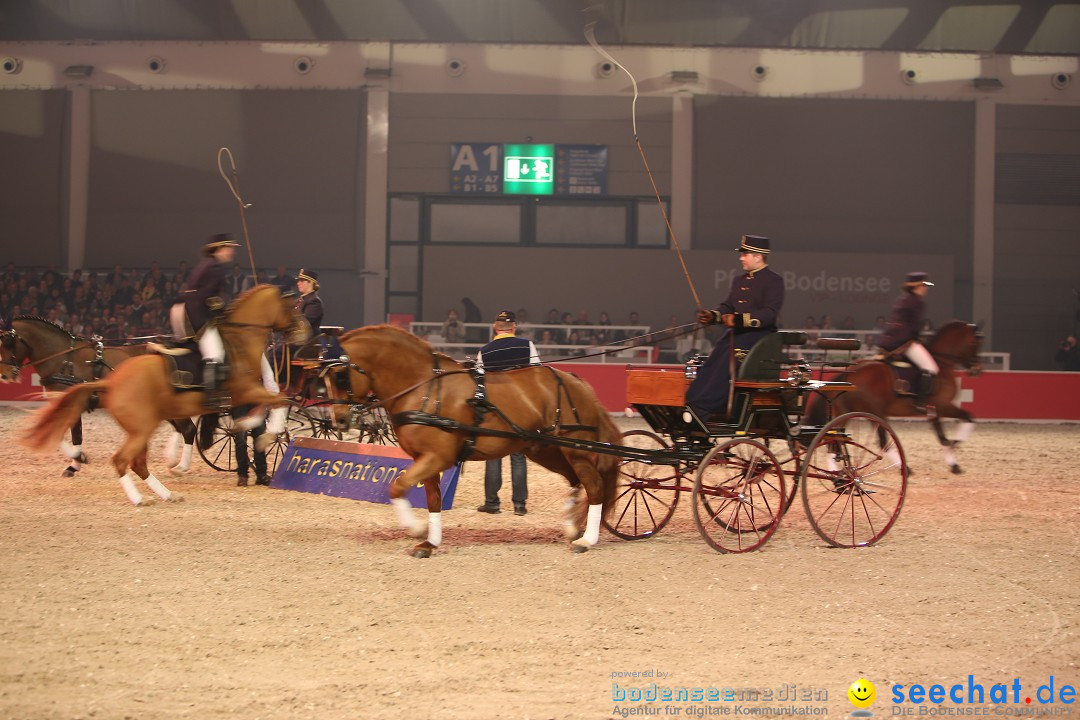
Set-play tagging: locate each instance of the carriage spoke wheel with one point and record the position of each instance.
(739, 495)
(646, 493)
(854, 479)
(298, 423)
(788, 454)
(220, 454)
(372, 426)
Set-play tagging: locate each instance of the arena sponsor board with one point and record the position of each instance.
(353, 470)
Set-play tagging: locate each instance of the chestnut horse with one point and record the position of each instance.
(955, 345)
(139, 394)
(62, 360)
(428, 397)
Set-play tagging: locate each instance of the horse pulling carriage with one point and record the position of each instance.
(851, 468)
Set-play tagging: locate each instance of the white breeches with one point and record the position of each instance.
(177, 321)
(210, 345)
(268, 379)
(922, 358)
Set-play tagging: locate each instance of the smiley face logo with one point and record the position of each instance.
(862, 693)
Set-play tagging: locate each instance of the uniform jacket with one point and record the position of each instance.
(507, 352)
(755, 299)
(207, 280)
(904, 322)
(310, 306)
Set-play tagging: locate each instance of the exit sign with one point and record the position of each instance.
(529, 169)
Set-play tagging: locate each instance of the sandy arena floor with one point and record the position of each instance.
(246, 603)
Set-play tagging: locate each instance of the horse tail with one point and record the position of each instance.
(53, 420)
(207, 425)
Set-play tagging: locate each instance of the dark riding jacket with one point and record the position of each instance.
(904, 323)
(311, 307)
(507, 352)
(207, 280)
(755, 299)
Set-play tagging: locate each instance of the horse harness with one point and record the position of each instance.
(481, 407)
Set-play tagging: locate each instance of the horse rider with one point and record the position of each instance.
(200, 301)
(901, 334)
(750, 312)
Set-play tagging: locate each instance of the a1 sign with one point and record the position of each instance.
(474, 168)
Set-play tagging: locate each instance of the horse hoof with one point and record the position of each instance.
(145, 502)
(175, 498)
(178, 471)
(69, 472)
(955, 469)
(422, 551)
(578, 549)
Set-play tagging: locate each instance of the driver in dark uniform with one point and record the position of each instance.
(309, 304)
(750, 311)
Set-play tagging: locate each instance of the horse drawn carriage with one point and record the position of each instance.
(743, 472)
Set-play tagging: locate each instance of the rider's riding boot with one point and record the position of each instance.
(924, 391)
(214, 384)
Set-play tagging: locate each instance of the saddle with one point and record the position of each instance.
(905, 374)
(184, 360)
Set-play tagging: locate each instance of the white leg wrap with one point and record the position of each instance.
(160, 490)
(894, 456)
(434, 529)
(964, 432)
(592, 525)
(172, 448)
(276, 424)
(69, 450)
(404, 511)
(185, 458)
(950, 457)
(128, 483)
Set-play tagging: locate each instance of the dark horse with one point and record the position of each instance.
(955, 345)
(139, 394)
(62, 360)
(429, 396)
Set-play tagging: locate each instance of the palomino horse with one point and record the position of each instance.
(62, 360)
(429, 397)
(139, 394)
(955, 344)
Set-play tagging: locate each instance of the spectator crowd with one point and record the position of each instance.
(120, 304)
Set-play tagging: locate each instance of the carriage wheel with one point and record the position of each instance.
(646, 493)
(738, 496)
(854, 479)
(297, 424)
(221, 453)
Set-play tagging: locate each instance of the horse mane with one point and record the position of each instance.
(395, 332)
(247, 293)
(947, 328)
(50, 323)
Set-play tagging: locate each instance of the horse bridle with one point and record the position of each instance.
(9, 339)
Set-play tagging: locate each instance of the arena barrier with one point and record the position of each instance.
(1014, 395)
(352, 470)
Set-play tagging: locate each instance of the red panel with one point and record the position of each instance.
(28, 388)
(990, 396)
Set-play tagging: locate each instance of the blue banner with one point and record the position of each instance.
(353, 470)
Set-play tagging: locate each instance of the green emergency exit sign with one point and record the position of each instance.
(529, 169)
